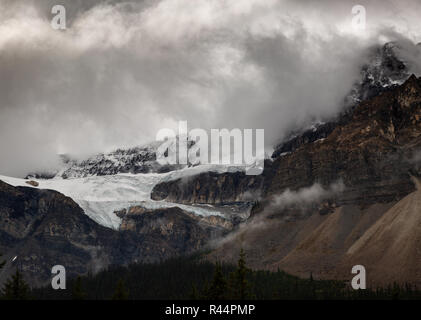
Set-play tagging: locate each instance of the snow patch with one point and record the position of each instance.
(101, 196)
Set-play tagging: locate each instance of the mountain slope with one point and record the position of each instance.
(101, 196)
(391, 248)
(43, 228)
(385, 70)
(332, 197)
(372, 154)
(303, 224)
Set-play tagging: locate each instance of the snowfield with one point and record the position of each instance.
(100, 196)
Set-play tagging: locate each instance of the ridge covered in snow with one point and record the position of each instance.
(101, 196)
(384, 70)
(134, 160)
(117, 180)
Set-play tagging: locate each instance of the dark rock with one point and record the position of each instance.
(318, 132)
(32, 183)
(384, 72)
(44, 228)
(214, 188)
(370, 153)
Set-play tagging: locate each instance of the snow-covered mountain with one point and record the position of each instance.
(141, 159)
(100, 196)
(109, 182)
(386, 68)
(133, 160)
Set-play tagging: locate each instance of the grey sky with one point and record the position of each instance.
(123, 70)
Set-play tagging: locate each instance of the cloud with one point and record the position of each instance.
(298, 200)
(125, 69)
(305, 196)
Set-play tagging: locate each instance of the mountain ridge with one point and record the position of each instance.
(43, 228)
(374, 155)
(383, 71)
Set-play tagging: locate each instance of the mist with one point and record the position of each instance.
(123, 70)
(305, 196)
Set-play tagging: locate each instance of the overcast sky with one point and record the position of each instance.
(123, 70)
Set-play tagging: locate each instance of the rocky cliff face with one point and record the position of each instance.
(376, 156)
(371, 154)
(384, 70)
(316, 132)
(43, 228)
(299, 222)
(212, 188)
(304, 225)
(311, 156)
(134, 160)
(142, 159)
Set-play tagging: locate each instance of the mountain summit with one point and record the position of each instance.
(318, 200)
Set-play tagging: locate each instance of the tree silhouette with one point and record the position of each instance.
(239, 286)
(208, 281)
(2, 263)
(218, 287)
(77, 292)
(194, 294)
(16, 288)
(120, 292)
(241, 273)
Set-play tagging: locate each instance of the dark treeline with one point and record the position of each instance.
(193, 278)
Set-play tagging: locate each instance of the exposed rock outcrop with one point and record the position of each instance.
(373, 221)
(384, 238)
(384, 71)
(371, 153)
(213, 188)
(373, 149)
(44, 228)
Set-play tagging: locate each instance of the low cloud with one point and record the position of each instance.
(306, 196)
(300, 199)
(125, 69)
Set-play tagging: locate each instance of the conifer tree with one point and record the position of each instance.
(241, 277)
(218, 287)
(16, 288)
(194, 295)
(77, 292)
(2, 263)
(120, 292)
(205, 290)
(232, 286)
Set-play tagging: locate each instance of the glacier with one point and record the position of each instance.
(101, 196)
